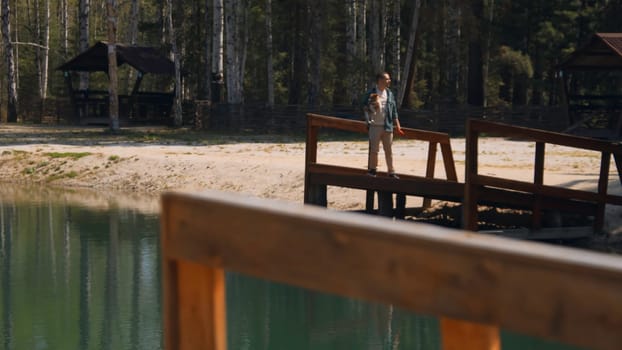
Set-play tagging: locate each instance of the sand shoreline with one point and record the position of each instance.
(273, 170)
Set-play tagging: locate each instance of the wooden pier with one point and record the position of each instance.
(477, 189)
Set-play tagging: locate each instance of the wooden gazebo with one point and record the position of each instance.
(598, 115)
(91, 106)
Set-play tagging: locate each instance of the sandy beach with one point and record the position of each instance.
(266, 169)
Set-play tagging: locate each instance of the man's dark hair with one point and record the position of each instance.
(380, 75)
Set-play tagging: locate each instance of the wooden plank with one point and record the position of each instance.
(544, 190)
(603, 181)
(564, 294)
(323, 121)
(448, 161)
(460, 335)
(310, 157)
(469, 210)
(194, 313)
(429, 171)
(414, 186)
(499, 129)
(538, 179)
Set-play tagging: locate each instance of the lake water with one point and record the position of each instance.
(85, 274)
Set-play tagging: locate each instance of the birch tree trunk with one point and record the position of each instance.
(10, 64)
(177, 112)
(83, 19)
(218, 50)
(46, 51)
(113, 109)
(270, 67)
(409, 61)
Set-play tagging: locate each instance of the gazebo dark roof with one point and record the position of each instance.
(602, 52)
(142, 58)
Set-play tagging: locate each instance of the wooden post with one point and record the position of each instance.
(603, 181)
(538, 179)
(469, 215)
(369, 201)
(310, 156)
(400, 205)
(462, 335)
(385, 203)
(429, 171)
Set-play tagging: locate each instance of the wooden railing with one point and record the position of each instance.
(315, 191)
(535, 195)
(552, 292)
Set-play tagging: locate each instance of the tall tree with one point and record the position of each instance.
(475, 84)
(208, 52)
(177, 112)
(409, 59)
(64, 27)
(45, 47)
(235, 46)
(10, 63)
(113, 109)
(218, 49)
(269, 60)
(134, 18)
(84, 9)
(315, 43)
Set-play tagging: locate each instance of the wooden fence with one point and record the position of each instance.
(476, 284)
(536, 196)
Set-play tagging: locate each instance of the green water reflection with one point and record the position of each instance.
(82, 276)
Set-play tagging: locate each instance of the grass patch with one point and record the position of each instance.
(114, 158)
(72, 155)
(55, 177)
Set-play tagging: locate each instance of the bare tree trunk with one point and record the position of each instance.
(113, 109)
(270, 67)
(10, 64)
(408, 61)
(351, 47)
(361, 40)
(218, 49)
(177, 112)
(134, 17)
(315, 43)
(395, 34)
(64, 42)
(84, 10)
(208, 53)
(235, 45)
(375, 40)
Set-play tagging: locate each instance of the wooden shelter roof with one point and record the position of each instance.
(142, 58)
(602, 52)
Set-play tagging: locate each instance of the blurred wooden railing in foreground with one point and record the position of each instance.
(552, 292)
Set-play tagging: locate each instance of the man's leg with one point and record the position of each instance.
(387, 140)
(375, 134)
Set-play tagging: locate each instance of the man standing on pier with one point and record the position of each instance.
(381, 115)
